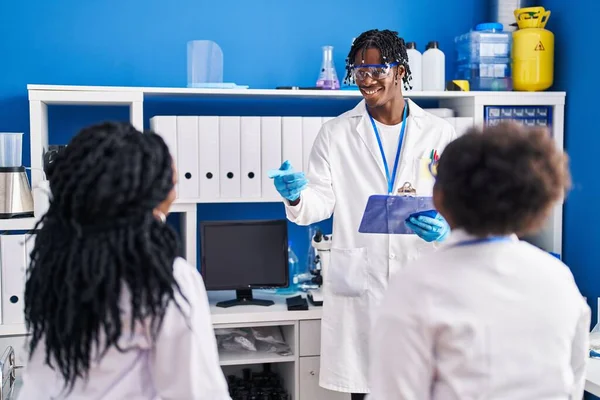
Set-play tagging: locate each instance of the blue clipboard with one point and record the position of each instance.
(388, 214)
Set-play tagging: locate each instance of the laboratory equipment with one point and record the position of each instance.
(322, 243)
(533, 50)
(434, 68)
(328, 78)
(294, 266)
(415, 63)
(502, 11)
(529, 116)
(483, 57)
(205, 66)
(16, 200)
(311, 252)
(265, 385)
(205, 63)
(244, 255)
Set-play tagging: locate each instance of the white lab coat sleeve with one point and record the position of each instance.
(402, 343)
(317, 201)
(185, 361)
(580, 352)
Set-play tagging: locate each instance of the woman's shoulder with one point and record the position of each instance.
(186, 274)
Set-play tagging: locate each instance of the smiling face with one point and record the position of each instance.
(377, 86)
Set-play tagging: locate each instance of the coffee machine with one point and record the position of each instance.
(16, 200)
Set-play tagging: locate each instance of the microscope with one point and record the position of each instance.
(321, 243)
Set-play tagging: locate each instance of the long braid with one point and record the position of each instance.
(98, 237)
(389, 44)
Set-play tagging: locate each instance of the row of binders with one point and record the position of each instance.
(228, 157)
(14, 256)
(224, 157)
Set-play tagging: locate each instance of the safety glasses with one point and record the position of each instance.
(375, 71)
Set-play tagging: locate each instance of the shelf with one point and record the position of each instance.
(17, 224)
(251, 357)
(61, 94)
(224, 200)
(13, 330)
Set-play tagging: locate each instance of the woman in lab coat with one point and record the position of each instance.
(487, 316)
(113, 312)
(354, 157)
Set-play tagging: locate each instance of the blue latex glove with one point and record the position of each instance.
(429, 229)
(288, 183)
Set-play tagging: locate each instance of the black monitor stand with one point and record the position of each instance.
(244, 298)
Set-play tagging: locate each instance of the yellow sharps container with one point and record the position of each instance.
(532, 51)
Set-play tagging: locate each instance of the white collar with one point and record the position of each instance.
(460, 235)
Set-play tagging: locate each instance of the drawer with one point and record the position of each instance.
(310, 338)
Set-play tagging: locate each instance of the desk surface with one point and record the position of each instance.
(252, 314)
(592, 380)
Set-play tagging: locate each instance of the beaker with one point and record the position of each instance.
(205, 63)
(10, 149)
(328, 78)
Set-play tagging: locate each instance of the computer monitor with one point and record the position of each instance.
(244, 255)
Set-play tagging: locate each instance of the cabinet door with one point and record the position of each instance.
(309, 382)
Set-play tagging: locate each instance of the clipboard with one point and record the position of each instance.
(387, 214)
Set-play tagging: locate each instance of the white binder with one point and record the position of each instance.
(250, 157)
(270, 155)
(208, 157)
(166, 127)
(13, 255)
(291, 146)
(310, 129)
(229, 153)
(187, 163)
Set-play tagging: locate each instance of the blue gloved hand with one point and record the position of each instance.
(288, 183)
(429, 229)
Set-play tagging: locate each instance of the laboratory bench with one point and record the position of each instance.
(301, 331)
(592, 380)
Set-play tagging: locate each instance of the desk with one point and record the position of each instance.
(301, 330)
(592, 380)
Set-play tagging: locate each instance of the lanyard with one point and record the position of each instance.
(391, 179)
(483, 240)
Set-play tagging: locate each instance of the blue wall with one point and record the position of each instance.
(575, 73)
(266, 43)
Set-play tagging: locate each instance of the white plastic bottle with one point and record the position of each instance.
(434, 68)
(415, 64)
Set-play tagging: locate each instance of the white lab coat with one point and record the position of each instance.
(182, 364)
(345, 167)
(493, 321)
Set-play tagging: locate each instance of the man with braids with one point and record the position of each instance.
(375, 148)
(113, 312)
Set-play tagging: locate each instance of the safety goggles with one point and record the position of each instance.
(375, 71)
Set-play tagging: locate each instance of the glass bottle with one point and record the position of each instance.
(328, 78)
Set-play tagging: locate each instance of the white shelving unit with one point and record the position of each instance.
(465, 104)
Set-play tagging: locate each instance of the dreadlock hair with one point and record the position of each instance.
(389, 44)
(98, 237)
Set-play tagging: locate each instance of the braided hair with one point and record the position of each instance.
(389, 44)
(98, 237)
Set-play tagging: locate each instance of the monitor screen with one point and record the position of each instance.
(244, 254)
